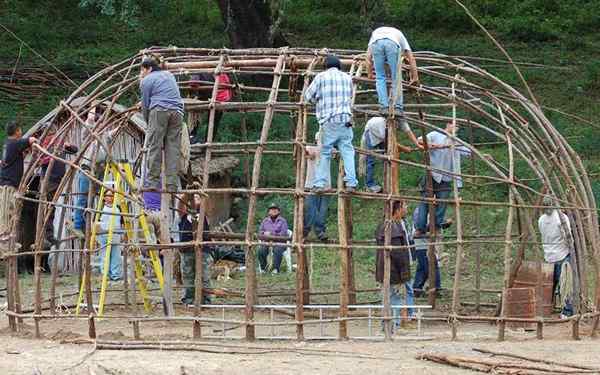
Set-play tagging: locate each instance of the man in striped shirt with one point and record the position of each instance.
(331, 91)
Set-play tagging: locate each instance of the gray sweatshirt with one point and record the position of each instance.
(159, 89)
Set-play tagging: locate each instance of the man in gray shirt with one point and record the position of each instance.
(163, 111)
(442, 158)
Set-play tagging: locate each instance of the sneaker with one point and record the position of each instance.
(447, 224)
(189, 302)
(322, 236)
(374, 189)
(275, 272)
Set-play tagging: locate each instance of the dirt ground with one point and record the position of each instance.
(20, 353)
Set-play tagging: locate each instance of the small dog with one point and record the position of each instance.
(224, 270)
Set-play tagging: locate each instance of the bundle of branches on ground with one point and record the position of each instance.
(516, 364)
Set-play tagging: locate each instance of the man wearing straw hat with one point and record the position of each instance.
(557, 243)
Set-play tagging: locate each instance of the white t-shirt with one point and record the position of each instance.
(311, 166)
(556, 246)
(392, 34)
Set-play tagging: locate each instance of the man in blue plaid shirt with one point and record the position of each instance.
(331, 90)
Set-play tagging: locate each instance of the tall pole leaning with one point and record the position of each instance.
(250, 298)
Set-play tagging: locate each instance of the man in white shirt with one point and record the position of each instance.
(385, 46)
(375, 137)
(555, 229)
(442, 158)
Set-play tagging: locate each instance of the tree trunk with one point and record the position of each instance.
(249, 24)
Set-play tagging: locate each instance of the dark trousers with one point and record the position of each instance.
(49, 228)
(315, 214)
(263, 253)
(196, 136)
(422, 273)
(440, 191)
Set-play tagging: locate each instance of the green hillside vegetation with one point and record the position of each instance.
(558, 36)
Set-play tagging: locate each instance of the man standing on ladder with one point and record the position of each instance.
(162, 107)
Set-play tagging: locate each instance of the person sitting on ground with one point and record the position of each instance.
(442, 158)
(188, 226)
(110, 221)
(399, 259)
(315, 205)
(56, 174)
(385, 46)
(557, 242)
(162, 107)
(272, 225)
(331, 90)
(224, 94)
(11, 173)
(375, 137)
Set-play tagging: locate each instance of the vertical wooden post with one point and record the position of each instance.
(459, 228)
(343, 202)
(165, 238)
(54, 266)
(477, 232)
(250, 225)
(205, 181)
(91, 326)
(508, 240)
(12, 280)
(431, 260)
(41, 222)
(302, 279)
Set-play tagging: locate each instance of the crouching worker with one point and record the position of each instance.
(399, 260)
(190, 212)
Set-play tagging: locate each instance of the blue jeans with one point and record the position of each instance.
(315, 215)
(340, 136)
(386, 51)
(263, 253)
(422, 273)
(371, 162)
(396, 299)
(567, 309)
(115, 270)
(440, 191)
(83, 183)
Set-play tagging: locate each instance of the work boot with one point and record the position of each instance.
(322, 237)
(374, 189)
